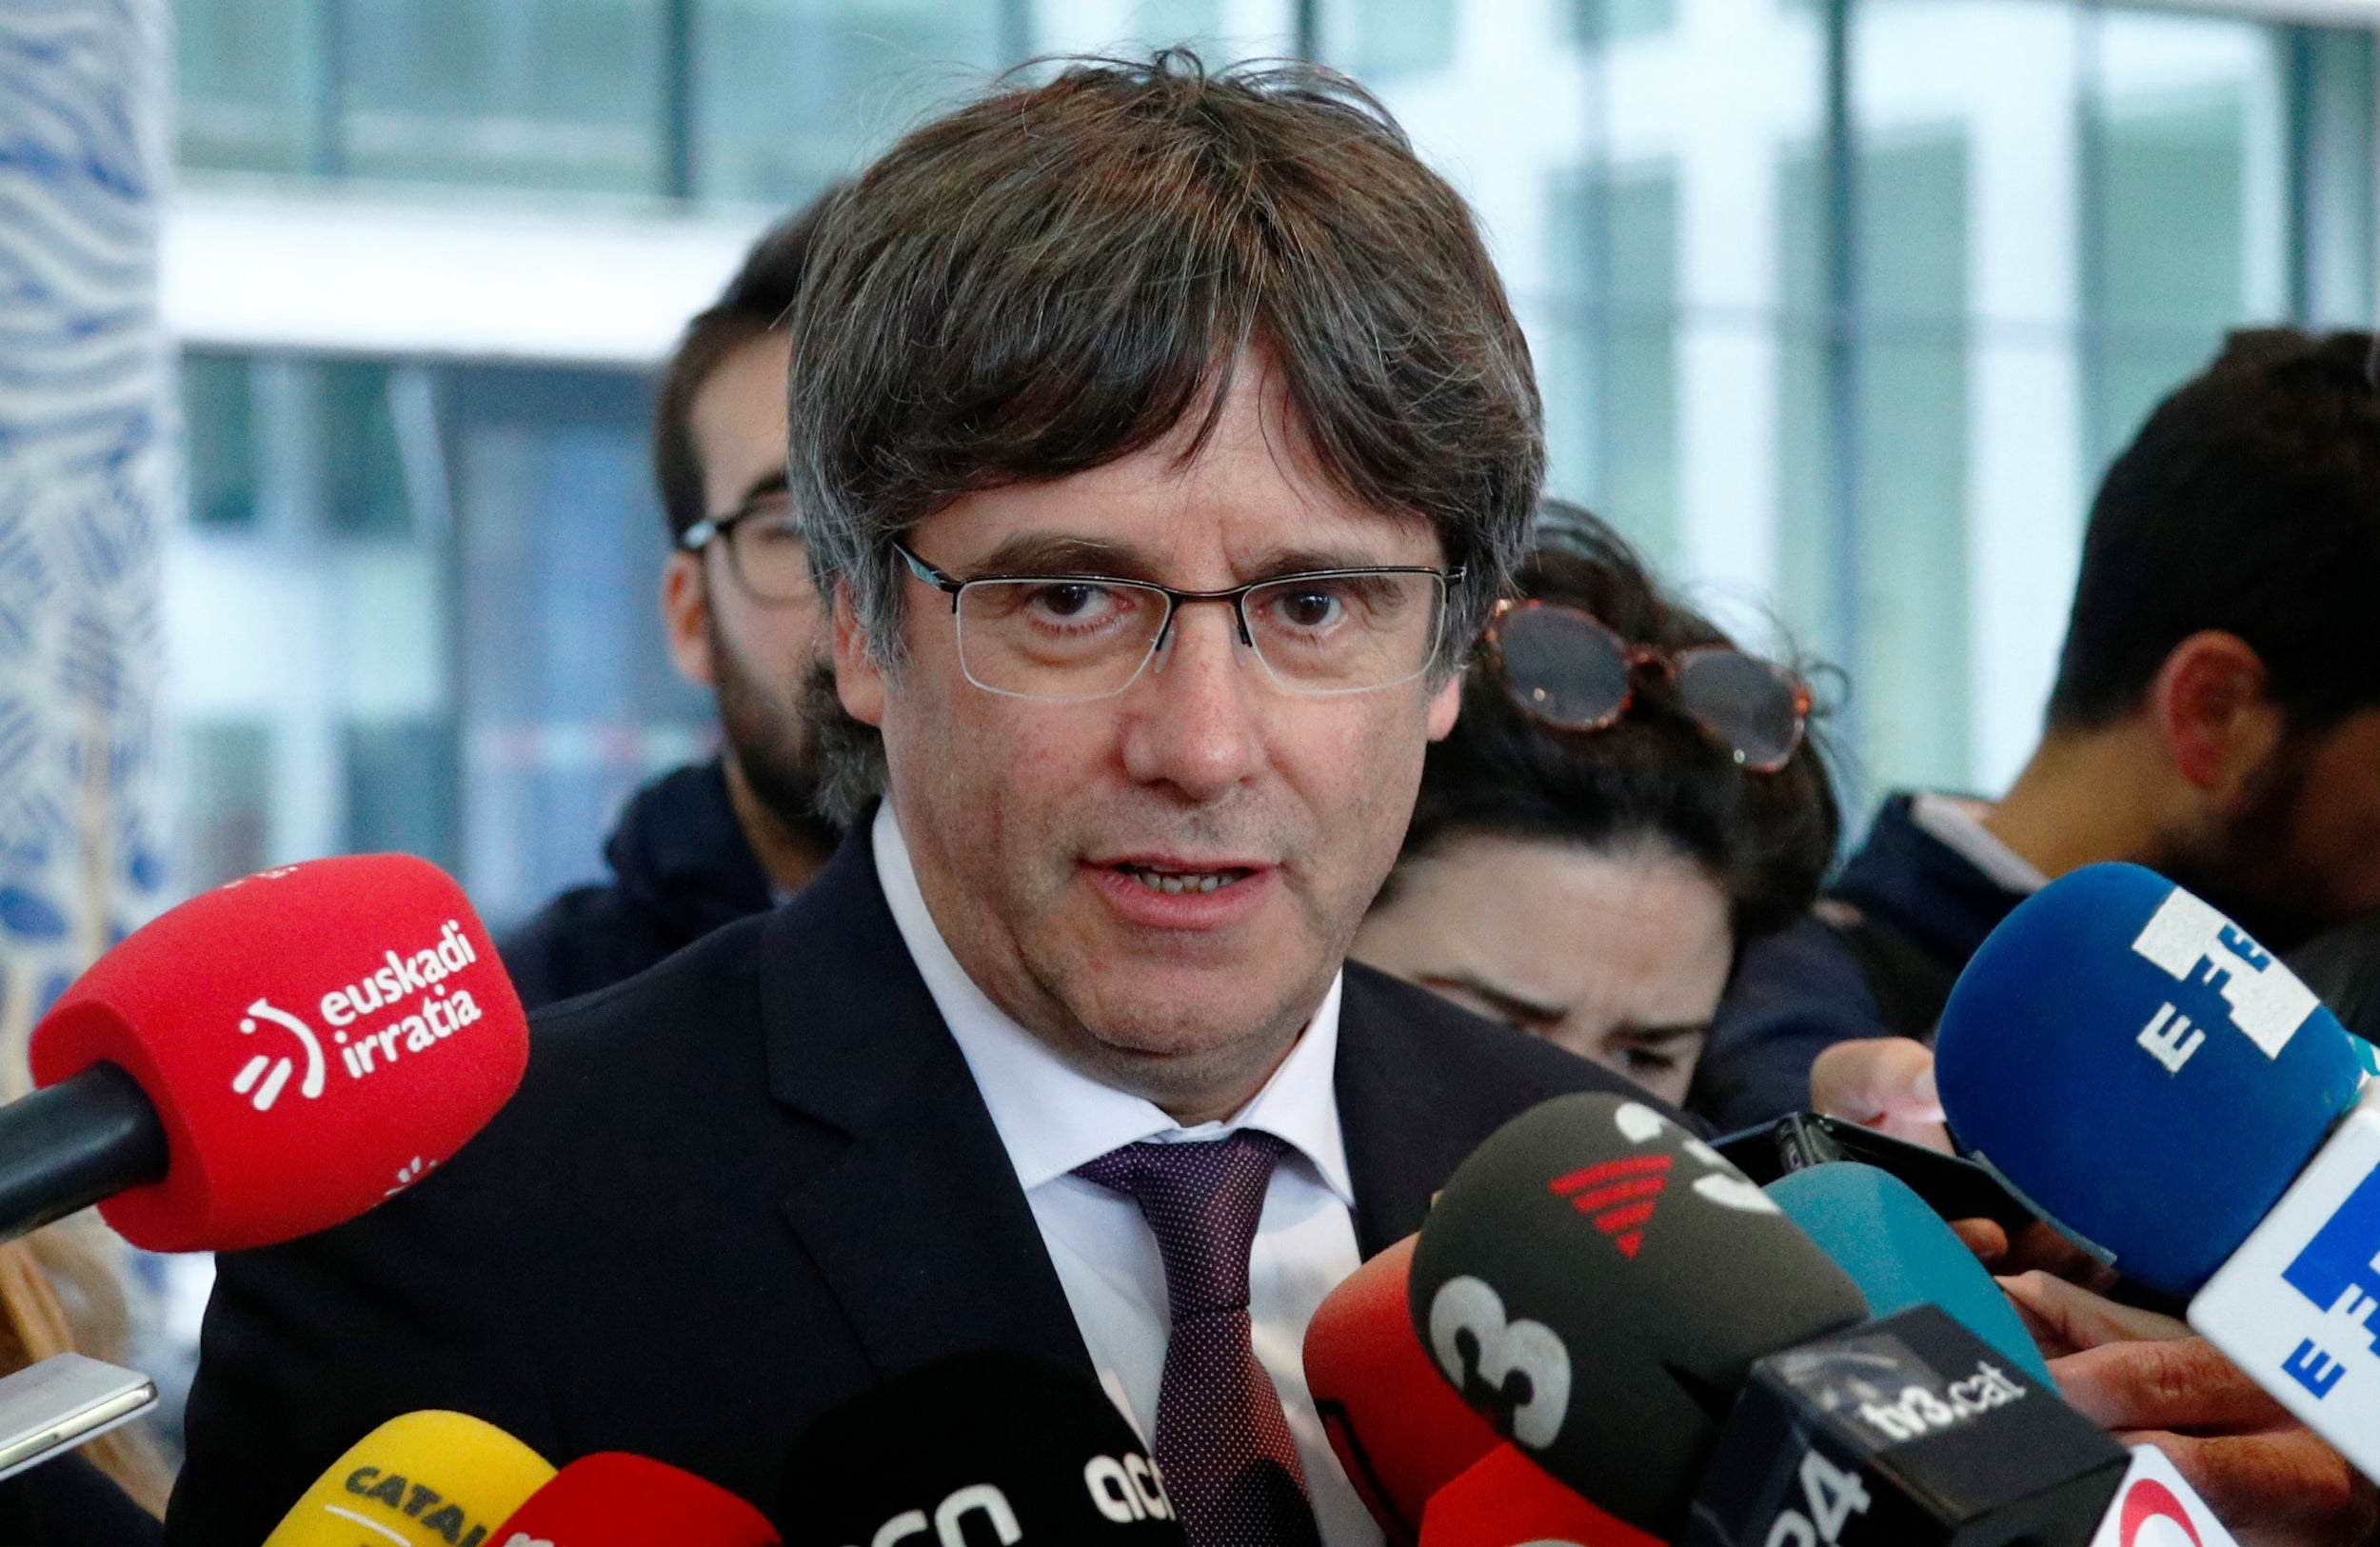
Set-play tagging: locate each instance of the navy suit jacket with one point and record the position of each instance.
(732, 1192)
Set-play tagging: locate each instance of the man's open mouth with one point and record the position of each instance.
(1175, 882)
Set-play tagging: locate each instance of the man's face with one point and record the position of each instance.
(2303, 853)
(751, 651)
(1045, 833)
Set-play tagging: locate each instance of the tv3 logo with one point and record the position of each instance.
(1829, 1495)
(2339, 1272)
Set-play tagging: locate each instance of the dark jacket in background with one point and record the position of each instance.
(1878, 959)
(2343, 966)
(68, 1502)
(681, 868)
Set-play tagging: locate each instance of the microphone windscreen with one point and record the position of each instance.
(424, 1480)
(978, 1450)
(1504, 1500)
(1901, 1254)
(2143, 1071)
(1598, 1281)
(614, 1499)
(1400, 1431)
(315, 1039)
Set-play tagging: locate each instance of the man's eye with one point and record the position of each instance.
(1075, 602)
(1309, 606)
(1644, 1060)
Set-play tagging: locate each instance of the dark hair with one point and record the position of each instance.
(754, 301)
(1056, 277)
(1654, 779)
(2250, 503)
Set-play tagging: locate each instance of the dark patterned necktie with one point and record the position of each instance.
(1222, 1441)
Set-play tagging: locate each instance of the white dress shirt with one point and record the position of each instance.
(1051, 1118)
(1957, 824)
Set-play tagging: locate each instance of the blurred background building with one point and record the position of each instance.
(1839, 307)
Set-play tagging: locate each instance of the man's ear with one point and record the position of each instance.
(1445, 706)
(685, 616)
(2209, 707)
(858, 678)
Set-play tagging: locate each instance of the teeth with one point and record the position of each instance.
(1174, 885)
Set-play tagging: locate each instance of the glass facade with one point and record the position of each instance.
(420, 614)
(1838, 307)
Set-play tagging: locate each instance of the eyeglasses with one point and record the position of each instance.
(1068, 638)
(766, 548)
(1567, 668)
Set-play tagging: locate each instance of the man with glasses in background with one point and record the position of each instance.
(715, 842)
(1162, 440)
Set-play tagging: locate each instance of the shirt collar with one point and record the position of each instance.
(1051, 1116)
(1957, 826)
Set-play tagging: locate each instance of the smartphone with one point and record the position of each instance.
(64, 1401)
(1953, 1188)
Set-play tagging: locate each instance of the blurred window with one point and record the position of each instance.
(250, 84)
(790, 94)
(219, 429)
(1840, 306)
(227, 813)
(542, 94)
(425, 619)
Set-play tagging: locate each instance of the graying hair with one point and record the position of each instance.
(1054, 278)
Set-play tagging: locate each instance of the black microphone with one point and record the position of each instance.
(1647, 1325)
(986, 1449)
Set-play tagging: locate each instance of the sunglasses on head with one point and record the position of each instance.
(1567, 668)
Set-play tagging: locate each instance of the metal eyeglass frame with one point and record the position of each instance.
(1634, 658)
(1237, 596)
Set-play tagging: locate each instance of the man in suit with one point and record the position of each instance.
(1164, 440)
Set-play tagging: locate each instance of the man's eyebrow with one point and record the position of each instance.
(760, 488)
(1066, 553)
(1307, 561)
(1505, 1002)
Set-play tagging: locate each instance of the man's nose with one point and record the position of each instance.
(1192, 720)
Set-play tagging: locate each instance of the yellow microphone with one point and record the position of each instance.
(424, 1480)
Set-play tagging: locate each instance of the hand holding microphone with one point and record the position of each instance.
(2180, 1103)
(2149, 1381)
(1650, 1328)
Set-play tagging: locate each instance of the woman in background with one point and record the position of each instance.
(1625, 801)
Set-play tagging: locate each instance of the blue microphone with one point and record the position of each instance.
(2140, 1071)
(1901, 1254)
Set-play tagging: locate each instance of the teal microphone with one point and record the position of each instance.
(1901, 1254)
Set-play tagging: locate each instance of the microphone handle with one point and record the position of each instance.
(89, 1137)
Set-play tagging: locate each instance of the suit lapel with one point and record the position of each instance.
(917, 1223)
(1422, 1084)
(1402, 1140)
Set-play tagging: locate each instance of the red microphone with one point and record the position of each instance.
(1506, 1500)
(1400, 1431)
(270, 1058)
(614, 1499)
